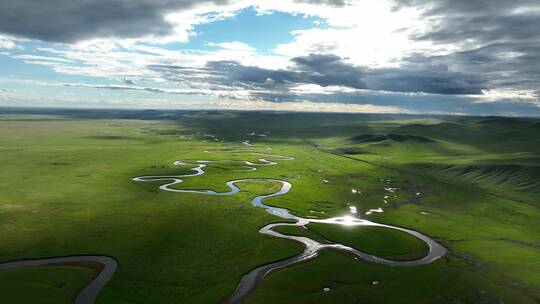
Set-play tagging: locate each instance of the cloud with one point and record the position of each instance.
(42, 59)
(424, 79)
(130, 88)
(327, 70)
(420, 85)
(330, 70)
(75, 21)
(497, 41)
(229, 94)
(337, 3)
(451, 56)
(234, 45)
(6, 43)
(323, 70)
(480, 21)
(71, 21)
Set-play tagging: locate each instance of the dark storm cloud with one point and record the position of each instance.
(483, 21)
(491, 28)
(323, 70)
(429, 79)
(330, 70)
(233, 73)
(500, 65)
(501, 39)
(75, 20)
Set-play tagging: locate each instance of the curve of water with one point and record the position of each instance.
(90, 292)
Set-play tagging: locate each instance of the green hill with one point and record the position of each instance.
(514, 179)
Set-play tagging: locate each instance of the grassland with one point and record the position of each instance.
(66, 189)
(44, 284)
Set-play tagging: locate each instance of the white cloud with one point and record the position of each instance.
(6, 43)
(509, 94)
(44, 60)
(317, 89)
(368, 33)
(233, 45)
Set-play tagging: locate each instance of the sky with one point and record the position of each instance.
(459, 57)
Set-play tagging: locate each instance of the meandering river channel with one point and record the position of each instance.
(249, 281)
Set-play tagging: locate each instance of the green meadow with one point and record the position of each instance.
(470, 183)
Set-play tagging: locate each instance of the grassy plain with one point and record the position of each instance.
(470, 183)
(44, 284)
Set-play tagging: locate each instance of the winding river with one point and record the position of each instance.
(90, 292)
(249, 281)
